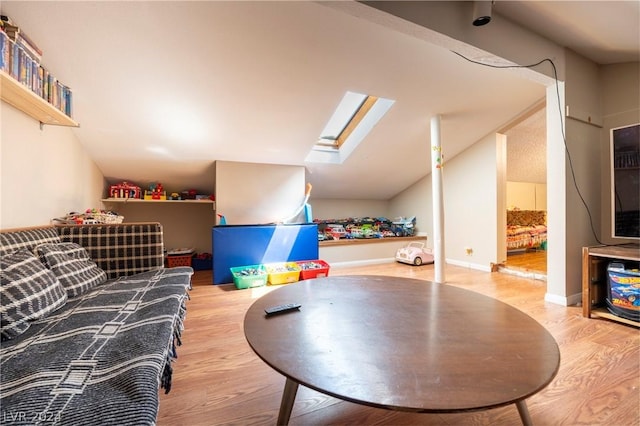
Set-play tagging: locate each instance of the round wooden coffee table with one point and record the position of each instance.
(402, 344)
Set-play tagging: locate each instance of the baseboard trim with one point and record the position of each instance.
(352, 263)
(523, 274)
(476, 266)
(573, 299)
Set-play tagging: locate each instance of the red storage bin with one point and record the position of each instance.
(313, 269)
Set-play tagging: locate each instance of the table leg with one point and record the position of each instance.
(524, 413)
(288, 398)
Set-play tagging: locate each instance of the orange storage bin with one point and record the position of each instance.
(174, 261)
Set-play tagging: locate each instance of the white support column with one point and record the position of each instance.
(438, 205)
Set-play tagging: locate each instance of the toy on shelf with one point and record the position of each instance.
(189, 194)
(156, 192)
(125, 190)
(365, 228)
(90, 217)
(404, 227)
(335, 231)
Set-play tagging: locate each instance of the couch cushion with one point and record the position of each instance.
(121, 249)
(12, 240)
(28, 291)
(71, 264)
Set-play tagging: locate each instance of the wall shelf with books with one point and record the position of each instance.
(19, 96)
(26, 84)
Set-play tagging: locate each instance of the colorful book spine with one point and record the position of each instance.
(45, 84)
(41, 80)
(28, 49)
(20, 58)
(22, 70)
(15, 61)
(4, 51)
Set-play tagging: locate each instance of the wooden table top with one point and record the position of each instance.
(403, 344)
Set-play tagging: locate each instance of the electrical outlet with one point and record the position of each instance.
(469, 251)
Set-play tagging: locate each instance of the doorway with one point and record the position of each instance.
(526, 175)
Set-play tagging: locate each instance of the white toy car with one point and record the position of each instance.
(414, 253)
(335, 231)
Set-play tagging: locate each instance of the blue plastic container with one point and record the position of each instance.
(623, 285)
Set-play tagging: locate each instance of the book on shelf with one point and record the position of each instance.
(20, 58)
(35, 54)
(15, 61)
(20, 37)
(4, 52)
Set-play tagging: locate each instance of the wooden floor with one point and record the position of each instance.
(218, 380)
(528, 261)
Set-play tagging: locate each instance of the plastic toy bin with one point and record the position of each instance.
(249, 276)
(178, 260)
(201, 262)
(282, 273)
(310, 269)
(623, 285)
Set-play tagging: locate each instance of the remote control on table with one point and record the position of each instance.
(280, 309)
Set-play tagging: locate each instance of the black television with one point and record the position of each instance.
(625, 182)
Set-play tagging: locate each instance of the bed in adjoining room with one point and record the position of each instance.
(526, 229)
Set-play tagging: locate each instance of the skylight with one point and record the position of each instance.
(350, 123)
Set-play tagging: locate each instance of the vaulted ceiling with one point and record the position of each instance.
(164, 89)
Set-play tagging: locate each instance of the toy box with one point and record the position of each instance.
(249, 276)
(313, 269)
(623, 285)
(179, 260)
(282, 273)
(202, 262)
(155, 195)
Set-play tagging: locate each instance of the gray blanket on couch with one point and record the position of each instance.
(101, 358)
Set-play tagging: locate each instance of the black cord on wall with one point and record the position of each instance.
(564, 138)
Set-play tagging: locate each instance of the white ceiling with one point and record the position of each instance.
(164, 89)
(607, 32)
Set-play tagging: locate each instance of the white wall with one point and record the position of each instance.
(43, 173)
(471, 204)
(583, 98)
(621, 107)
(569, 225)
(325, 208)
(416, 200)
(526, 195)
(250, 193)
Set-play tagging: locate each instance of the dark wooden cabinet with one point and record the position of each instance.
(594, 278)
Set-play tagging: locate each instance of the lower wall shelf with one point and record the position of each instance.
(356, 241)
(138, 201)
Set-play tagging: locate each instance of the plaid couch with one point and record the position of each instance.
(90, 323)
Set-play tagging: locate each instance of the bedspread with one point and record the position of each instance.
(526, 229)
(519, 237)
(99, 359)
